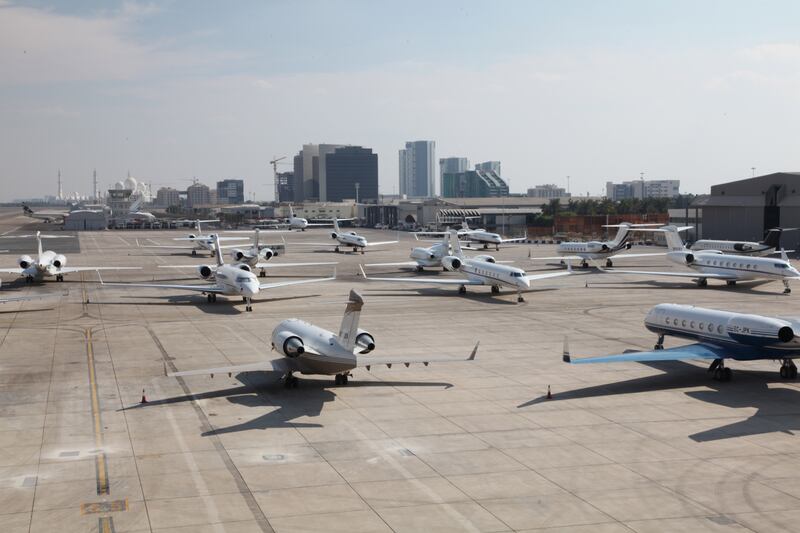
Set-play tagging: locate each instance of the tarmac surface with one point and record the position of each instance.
(463, 446)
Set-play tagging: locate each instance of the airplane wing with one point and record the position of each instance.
(401, 264)
(173, 247)
(547, 275)
(275, 365)
(517, 239)
(275, 285)
(332, 243)
(669, 274)
(195, 239)
(197, 288)
(431, 281)
(626, 256)
(67, 270)
(367, 362)
(680, 353)
(11, 270)
(381, 242)
(277, 265)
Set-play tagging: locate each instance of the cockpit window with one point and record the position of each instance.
(242, 279)
(781, 265)
(516, 274)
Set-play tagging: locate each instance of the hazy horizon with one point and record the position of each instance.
(696, 91)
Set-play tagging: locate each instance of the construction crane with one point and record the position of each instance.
(275, 161)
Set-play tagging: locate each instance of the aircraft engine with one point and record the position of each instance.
(237, 255)
(205, 271)
(59, 261)
(267, 254)
(25, 261)
(244, 267)
(288, 344)
(742, 247)
(451, 263)
(192, 236)
(760, 330)
(365, 341)
(604, 247)
(333, 235)
(486, 258)
(682, 257)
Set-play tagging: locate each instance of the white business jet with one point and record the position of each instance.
(600, 250)
(257, 256)
(226, 279)
(480, 236)
(478, 272)
(135, 214)
(199, 241)
(48, 264)
(45, 216)
(346, 239)
(432, 256)
(308, 349)
(770, 245)
(714, 264)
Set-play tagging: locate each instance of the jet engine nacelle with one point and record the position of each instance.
(267, 254)
(59, 261)
(237, 254)
(365, 341)
(192, 236)
(334, 235)
(485, 258)
(288, 344)
(681, 257)
(742, 247)
(759, 330)
(451, 263)
(25, 261)
(205, 271)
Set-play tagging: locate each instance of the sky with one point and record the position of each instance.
(700, 91)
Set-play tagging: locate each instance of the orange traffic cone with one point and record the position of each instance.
(549, 396)
(144, 398)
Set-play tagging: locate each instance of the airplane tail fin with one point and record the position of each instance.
(622, 235)
(352, 314)
(39, 242)
(135, 205)
(197, 227)
(27, 210)
(255, 240)
(455, 245)
(291, 211)
(217, 250)
(336, 225)
(674, 241)
(773, 238)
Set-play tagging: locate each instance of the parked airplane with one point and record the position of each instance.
(295, 222)
(48, 263)
(432, 256)
(598, 250)
(717, 265)
(200, 241)
(45, 216)
(349, 239)
(257, 255)
(478, 271)
(135, 214)
(720, 335)
(309, 349)
(770, 245)
(480, 236)
(226, 279)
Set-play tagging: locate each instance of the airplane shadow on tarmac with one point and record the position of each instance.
(713, 285)
(225, 305)
(504, 298)
(263, 390)
(777, 408)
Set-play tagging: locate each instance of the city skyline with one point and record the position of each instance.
(599, 92)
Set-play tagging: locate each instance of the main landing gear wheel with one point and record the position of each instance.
(59, 277)
(248, 308)
(702, 282)
(609, 263)
(291, 382)
(211, 298)
(721, 372)
(194, 252)
(262, 274)
(462, 290)
(362, 251)
(730, 282)
(336, 249)
(788, 369)
(420, 269)
(495, 289)
(340, 379)
(584, 265)
(659, 343)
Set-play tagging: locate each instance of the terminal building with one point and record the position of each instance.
(747, 208)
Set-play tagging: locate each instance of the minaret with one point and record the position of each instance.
(94, 184)
(60, 191)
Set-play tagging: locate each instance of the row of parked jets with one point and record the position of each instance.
(308, 349)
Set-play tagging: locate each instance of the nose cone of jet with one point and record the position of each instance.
(249, 288)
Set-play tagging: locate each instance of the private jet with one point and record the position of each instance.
(45, 216)
(135, 214)
(257, 255)
(300, 223)
(226, 279)
(713, 264)
(599, 250)
(770, 245)
(431, 257)
(308, 349)
(480, 236)
(478, 271)
(48, 264)
(346, 239)
(199, 241)
(720, 335)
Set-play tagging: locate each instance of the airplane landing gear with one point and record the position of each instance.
(495, 289)
(584, 264)
(211, 297)
(520, 299)
(336, 249)
(609, 263)
(786, 289)
(702, 282)
(721, 372)
(659, 343)
(730, 282)
(249, 306)
(462, 289)
(363, 251)
(28, 279)
(194, 253)
(419, 268)
(485, 246)
(59, 277)
(496, 247)
(788, 369)
(340, 379)
(290, 382)
(262, 274)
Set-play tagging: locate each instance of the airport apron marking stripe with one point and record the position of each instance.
(100, 462)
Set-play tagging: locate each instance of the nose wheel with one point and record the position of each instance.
(211, 298)
(609, 263)
(262, 274)
(59, 277)
(462, 290)
(584, 264)
(495, 289)
(786, 289)
(520, 299)
(340, 379)
(291, 382)
(788, 369)
(336, 249)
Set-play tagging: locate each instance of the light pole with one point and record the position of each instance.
(357, 186)
(753, 169)
(641, 176)
(567, 185)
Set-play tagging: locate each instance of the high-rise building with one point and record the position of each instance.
(547, 191)
(489, 166)
(473, 184)
(643, 189)
(230, 192)
(309, 172)
(417, 170)
(285, 186)
(168, 197)
(350, 172)
(451, 165)
(197, 194)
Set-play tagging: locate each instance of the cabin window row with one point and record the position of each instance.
(691, 324)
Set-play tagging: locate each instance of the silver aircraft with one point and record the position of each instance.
(198, 240)
(431, 257)
(236, 280)
(48, 264)
(770, 245)
(346, 239)
(257, 255)
(308, 349)
(478, 271)
(479, 236)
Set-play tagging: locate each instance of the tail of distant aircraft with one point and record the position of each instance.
(291, 211)
(674, 241)
(27, 210)
(455, 245)
(39, 242)
(217, 250)
(773, 238)
(136, 205)
(336, 225)
(621, 237)
(352, 313)
(255, 240)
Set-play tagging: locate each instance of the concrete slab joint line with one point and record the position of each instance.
(241, 485)
(100, 462)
